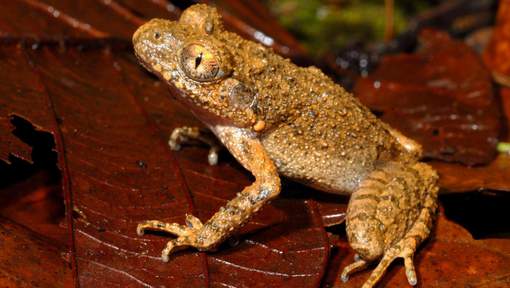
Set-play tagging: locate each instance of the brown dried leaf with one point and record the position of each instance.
(32, 243)
(29, 260)
(441, 96)
(495, 176)
(19, 96)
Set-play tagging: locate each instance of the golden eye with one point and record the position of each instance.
(199, 63)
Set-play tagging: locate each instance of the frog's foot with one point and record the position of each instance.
(186, 235)
(404, 249)
(379, 212)
(185, 135)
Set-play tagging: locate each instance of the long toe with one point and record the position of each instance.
(410, 271)
(358, 265)
(379, 270)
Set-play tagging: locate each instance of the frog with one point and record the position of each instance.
(281, 120)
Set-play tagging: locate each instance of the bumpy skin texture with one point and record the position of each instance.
(280, 119)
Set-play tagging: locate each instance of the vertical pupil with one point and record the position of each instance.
(198, 60)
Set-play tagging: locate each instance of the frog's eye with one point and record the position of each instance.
(200, 63)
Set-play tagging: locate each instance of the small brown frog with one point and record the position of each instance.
(280, 119)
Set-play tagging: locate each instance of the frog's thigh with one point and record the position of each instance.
(390, 215)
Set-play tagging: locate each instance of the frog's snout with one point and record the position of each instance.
(136, 35)
(152, 31)
(144, 30)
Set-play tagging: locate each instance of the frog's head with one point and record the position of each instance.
(189, 55)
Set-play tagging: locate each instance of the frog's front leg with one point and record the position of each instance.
(389, 215)
(247, 149)
(185, 134)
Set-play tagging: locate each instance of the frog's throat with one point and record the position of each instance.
(202, 113)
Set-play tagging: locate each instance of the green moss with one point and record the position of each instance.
(503, 147)
(329, 25)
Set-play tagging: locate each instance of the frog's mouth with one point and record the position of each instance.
(154, 69)
(141, 60)
(203, 114)
(144, 64)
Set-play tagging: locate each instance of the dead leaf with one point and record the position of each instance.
(446, 103)
(29, 260)
(496, 175)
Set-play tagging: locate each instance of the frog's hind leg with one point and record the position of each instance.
(358, 265)
(389, 216)
(403, 249)
(185, 134)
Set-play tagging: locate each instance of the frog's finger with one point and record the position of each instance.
(174, 245)
(410, 272)
(187, 135)
(212, 157)
(193, 222)
(182, 135)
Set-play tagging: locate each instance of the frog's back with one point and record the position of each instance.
(332, 141)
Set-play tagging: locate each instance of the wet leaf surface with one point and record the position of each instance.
(29, 260)
(19, 97)
(495, 175)
(69, 89)
(447, 102)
